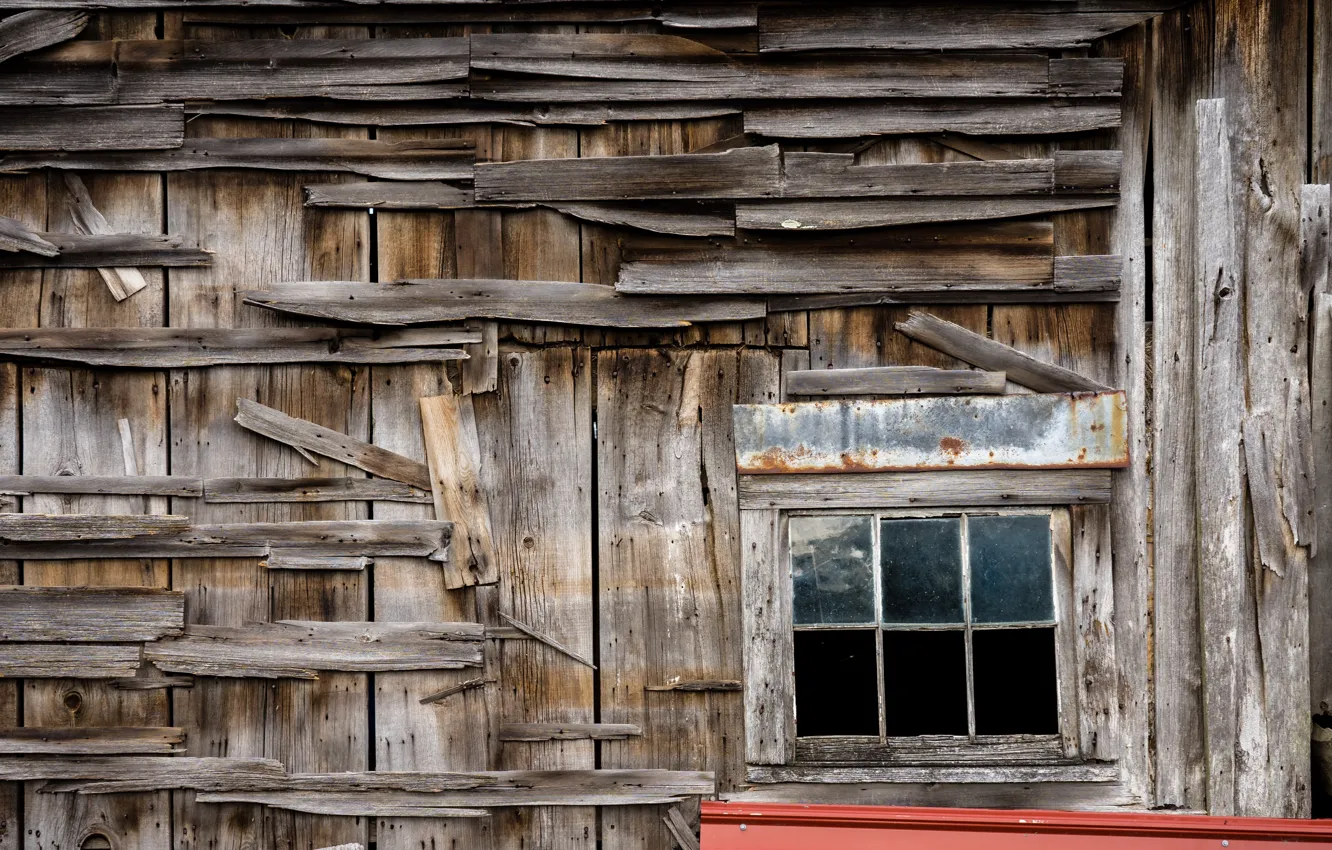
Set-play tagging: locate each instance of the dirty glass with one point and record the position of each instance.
(1010, 569)
(832, 569)
(921, 561)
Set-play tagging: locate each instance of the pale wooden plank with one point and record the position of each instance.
(404, 195)
(106, 485)
(468, 112)
(902, 118)
(927, 489)
(769, 656)
(68, 661)
(893, 380)
(107, 740)
(148, 773)
(1320, 563)
(88, 614)
(1069, 796)
(453, 452)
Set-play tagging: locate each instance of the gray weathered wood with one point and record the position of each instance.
(307, 436)
(68, 661)
(697, 685)
(768, 648)
(467, 685)
(123, 281)
(977, 488)
(389, 196)
(680, 829)
(171, 348)
(299, 561)
(152, 682)
(686, 17)
(33, 30)
(837, 175)
(299, 650)
(90, 128)
(1320, 564)
(85, 773)
(986, 353)
(940, 750)
(242, 490)
(89, 614)
(453, 452)
(441, 159)
(468, 112)
(894, 380)
(827, 121)
(96, 741)
(78, 251)
(654, 218)
(64, 527)
(243, 540)
(567, 731)
(546, 639)
(15, 236)
(860, 213)
(415, 302)
(1066, 796)
(1021, 774)
(131, 485)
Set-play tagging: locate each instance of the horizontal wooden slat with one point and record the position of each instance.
(64, 527)
(603, 55)
(298, 650)
(78, 251)
(102, 485)
(92, 741)
(468, 112)
(893, 380)
(739, 173)
(414, 302)
(16, 236)
(68, 661)
(242, 490)
(62, 128)
(961, 488)
(33, 30)
(1028, 431)
(1066, 796)
(952, 26)
(687, 17)
(389, 196)
(945, 750)
(938, 774)
(677, 220)
(297, 561)
(567, 731)
(837, 175)
(89, 614)
(419, 159)
(421, 538)
(859, 213)
(150, 773)
(981, 117)
(173, 348)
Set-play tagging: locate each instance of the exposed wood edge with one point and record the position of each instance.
(470, 684)
(73, 774)
(568, 731)
(698, 685)
(257, 490)
(802, 303)
(961, 488)
(453, 454)
(92, 740)
(87, 528)
(108, 485)
(974, 147)
(35, 29)
(546, 639)
(345, 804)
(986, 353)
(1088, 772)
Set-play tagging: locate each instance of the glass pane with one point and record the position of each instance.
(831, 565)
(837, 688)
(925, 682)
(1015, 682)
(1010, 569)
(922, 570)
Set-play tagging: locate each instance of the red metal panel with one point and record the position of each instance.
(770, 826)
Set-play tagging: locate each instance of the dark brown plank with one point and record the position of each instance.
(33, 30)
(567, 731)
(63, 128)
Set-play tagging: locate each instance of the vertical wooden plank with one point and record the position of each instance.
(1320, 565)
(769, 652)
(670, 562)
(1181, 41)
(1320, 77)
(454, 454)
(480, 234)
(1261, 64)
(11, 829)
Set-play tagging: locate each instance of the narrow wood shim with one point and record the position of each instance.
(960, 488)
(122, 281)
(90, 614)
(893, 380)
(986, 353)
(937, 433)
(94, 741)
(304, 436)
(298, 650)
(418, 302)
(568, 731)
(448, 427)
(546, 639)
(698, 685)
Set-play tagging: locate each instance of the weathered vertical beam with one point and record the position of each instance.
(670, 562)
(1181, 44)
(1320, 564)
(454, 454)
(1320, 77)
(1261, 62)
(765, 603)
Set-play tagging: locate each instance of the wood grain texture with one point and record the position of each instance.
(89, 614)
(67, 661)
(1070, 796)
(893, 380)
(28, 31)
(15, 236)
(567, 731)
(248, 490)
(83, 252)
(983, 118)
(1320, 562)
(860, 213)
(90, 128)
(405, 195)
(107, 485)
(74, 527)
(85, 773)
(122, 281)
(453, 453)
(768, 649)
(107, 740)
(926, 489)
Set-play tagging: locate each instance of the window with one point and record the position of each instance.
(913, 629)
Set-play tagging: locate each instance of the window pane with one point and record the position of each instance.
(1010, 569)
(831, 565)
(925, 682)
(922, 570)
(1015, 682)
(837, 686)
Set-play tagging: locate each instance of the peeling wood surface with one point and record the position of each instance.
(66, 661)
(15, 236)
(90, 614)
(961, 488)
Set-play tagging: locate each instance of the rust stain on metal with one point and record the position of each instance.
(1041, 431)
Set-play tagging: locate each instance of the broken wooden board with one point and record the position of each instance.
(176, 348)
(90, 128)
(90, 614)
(978, 117)
(247, 540)
(960, 488)
(92, 741)
(35, 29)
(298, 650)
(986, 353)
(439, 159)
(893, 380)
(417, 302)
(77, 251)
(453, 452)
(248, 490)
(742, 15)
(859, 213)
(124, 485)
(15, 236)
(567, 731)
(68, 661)
(307, 436)
(1056, 431)
(122, 281)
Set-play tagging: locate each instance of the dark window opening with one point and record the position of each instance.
(925, 683)
(1015, 682)
(837, 690)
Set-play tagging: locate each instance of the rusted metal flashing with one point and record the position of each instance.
(1043, 431)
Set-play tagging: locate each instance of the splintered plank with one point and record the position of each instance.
(240, 540)
(246, 490)
(454, 454)
(969, 26)
(90, 614)
(98, 741)
(68, 661)
(975, 117)
(172, 348)
(298, 650)
(33, 30)
(681, 221)
(64, 128)
(739, 173)
(104, 485)
(893, 380)
(79, 251)
(894, 435)
(416, 302)
(419, 160)
(141, 773)
(690, 17)
(303, 435)
(959, 488)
